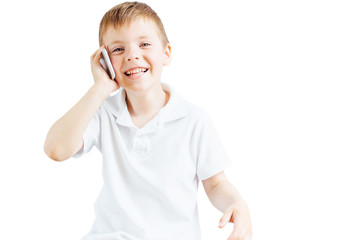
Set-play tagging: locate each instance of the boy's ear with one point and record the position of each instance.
(167, 55)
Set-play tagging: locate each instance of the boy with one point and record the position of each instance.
(155, 145)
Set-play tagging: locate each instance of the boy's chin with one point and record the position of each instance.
(140, 86)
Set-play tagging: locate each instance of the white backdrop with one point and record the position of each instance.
(280, 80)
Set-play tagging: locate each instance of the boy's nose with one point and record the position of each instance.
(132, 55)
(129, 58)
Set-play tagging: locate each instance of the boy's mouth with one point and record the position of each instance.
(136, 71)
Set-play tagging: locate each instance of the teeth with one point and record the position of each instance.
(137, 70)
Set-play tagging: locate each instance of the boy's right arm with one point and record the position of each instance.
(65, 137)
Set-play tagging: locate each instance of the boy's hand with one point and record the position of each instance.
(239, 215)
(101, 78)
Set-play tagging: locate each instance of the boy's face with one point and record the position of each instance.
(137, 54)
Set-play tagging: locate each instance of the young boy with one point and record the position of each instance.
(156, 146)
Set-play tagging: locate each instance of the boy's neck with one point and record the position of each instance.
(145, 105)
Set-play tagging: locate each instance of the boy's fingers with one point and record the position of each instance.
(97, 55)
(237, 229)
(242, 231)
(225, 218)
(246, 234)
(235, 234)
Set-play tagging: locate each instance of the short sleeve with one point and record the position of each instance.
(91, 136)
(211, 155)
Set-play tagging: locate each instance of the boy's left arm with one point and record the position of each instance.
(224, 196)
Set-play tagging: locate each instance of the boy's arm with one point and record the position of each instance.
(225, 197)
(65, 136)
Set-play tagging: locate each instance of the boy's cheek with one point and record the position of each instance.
(116, 62)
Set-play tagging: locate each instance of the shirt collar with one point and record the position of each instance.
(173, 110)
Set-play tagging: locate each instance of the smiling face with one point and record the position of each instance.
(137, 54)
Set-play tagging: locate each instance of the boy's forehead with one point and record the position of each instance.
(140, 28)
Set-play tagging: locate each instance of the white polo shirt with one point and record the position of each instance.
(151, 174)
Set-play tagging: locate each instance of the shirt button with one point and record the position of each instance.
(139, 144)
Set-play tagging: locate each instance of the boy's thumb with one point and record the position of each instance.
(225, 219)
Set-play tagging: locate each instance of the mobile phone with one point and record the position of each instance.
(106, 64)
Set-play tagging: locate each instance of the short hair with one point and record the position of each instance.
(125, 13)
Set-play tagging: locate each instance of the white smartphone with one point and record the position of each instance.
(106, 64)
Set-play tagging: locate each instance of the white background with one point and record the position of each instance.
(280, 80)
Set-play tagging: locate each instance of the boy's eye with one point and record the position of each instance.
(118, 49)
(145, 44)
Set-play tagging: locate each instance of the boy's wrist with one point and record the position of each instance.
(100, 91)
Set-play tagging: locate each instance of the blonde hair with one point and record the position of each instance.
(125, 13)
